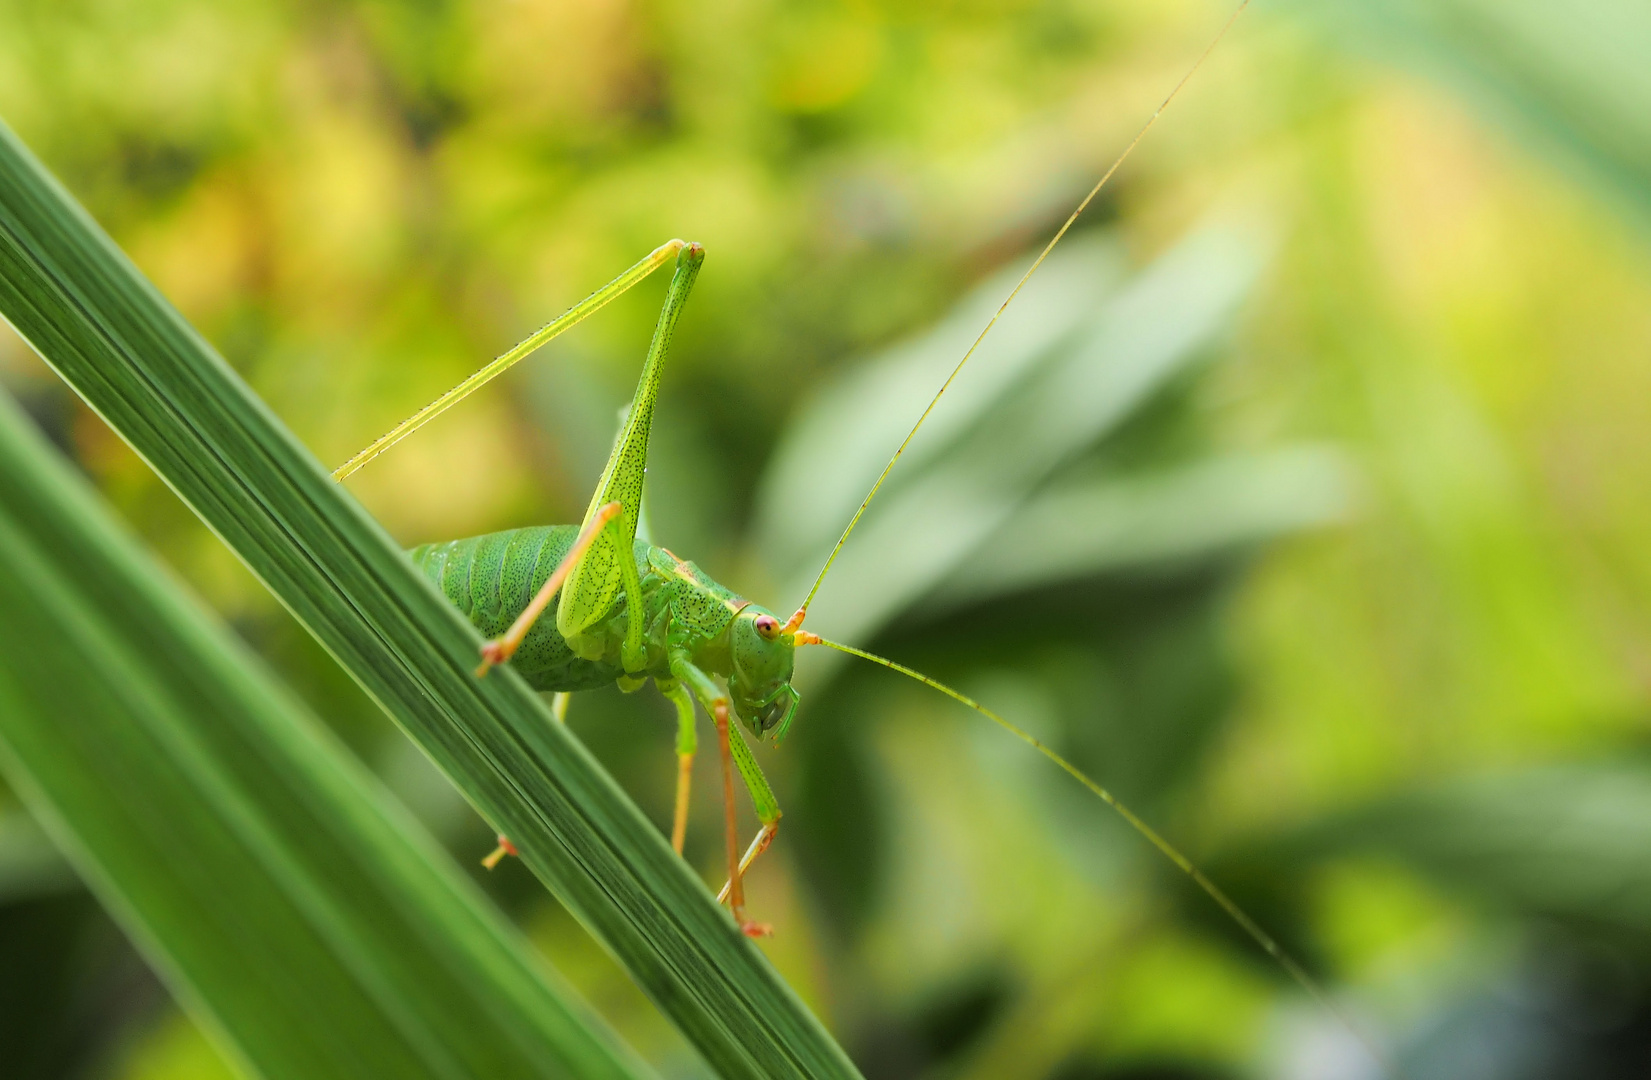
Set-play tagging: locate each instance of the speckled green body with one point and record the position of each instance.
(491, 578)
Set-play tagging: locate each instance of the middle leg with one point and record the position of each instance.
(766, 805)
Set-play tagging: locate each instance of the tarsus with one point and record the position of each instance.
(797, 618)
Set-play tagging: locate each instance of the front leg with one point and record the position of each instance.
(716, 703)
(768, 810)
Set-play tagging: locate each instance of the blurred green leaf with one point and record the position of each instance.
(295, 909)
(835, 447)
(1166, 518)
(95, 319)
(1574, 76)
(1571, 841)
(1082, 351)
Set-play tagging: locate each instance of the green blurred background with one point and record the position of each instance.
(1300, 499)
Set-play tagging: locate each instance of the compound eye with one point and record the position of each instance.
(768, 627)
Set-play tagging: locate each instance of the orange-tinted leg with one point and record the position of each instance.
(679, 823)
(759, 844)
(736, 888)
(762, 800)
(734, 754)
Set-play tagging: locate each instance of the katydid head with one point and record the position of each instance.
(760, 682)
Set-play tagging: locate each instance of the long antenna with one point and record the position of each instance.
(1170, 851)
(796, 619)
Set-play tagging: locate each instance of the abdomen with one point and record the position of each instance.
(491, 578)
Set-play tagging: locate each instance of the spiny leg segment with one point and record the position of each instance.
(736, 898)
(759, 844)
(766, 805)
(736, 755)
(609, 569)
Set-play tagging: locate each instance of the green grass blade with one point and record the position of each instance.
(95, 319)
(284, 897)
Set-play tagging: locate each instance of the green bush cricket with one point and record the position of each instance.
(628, 611)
